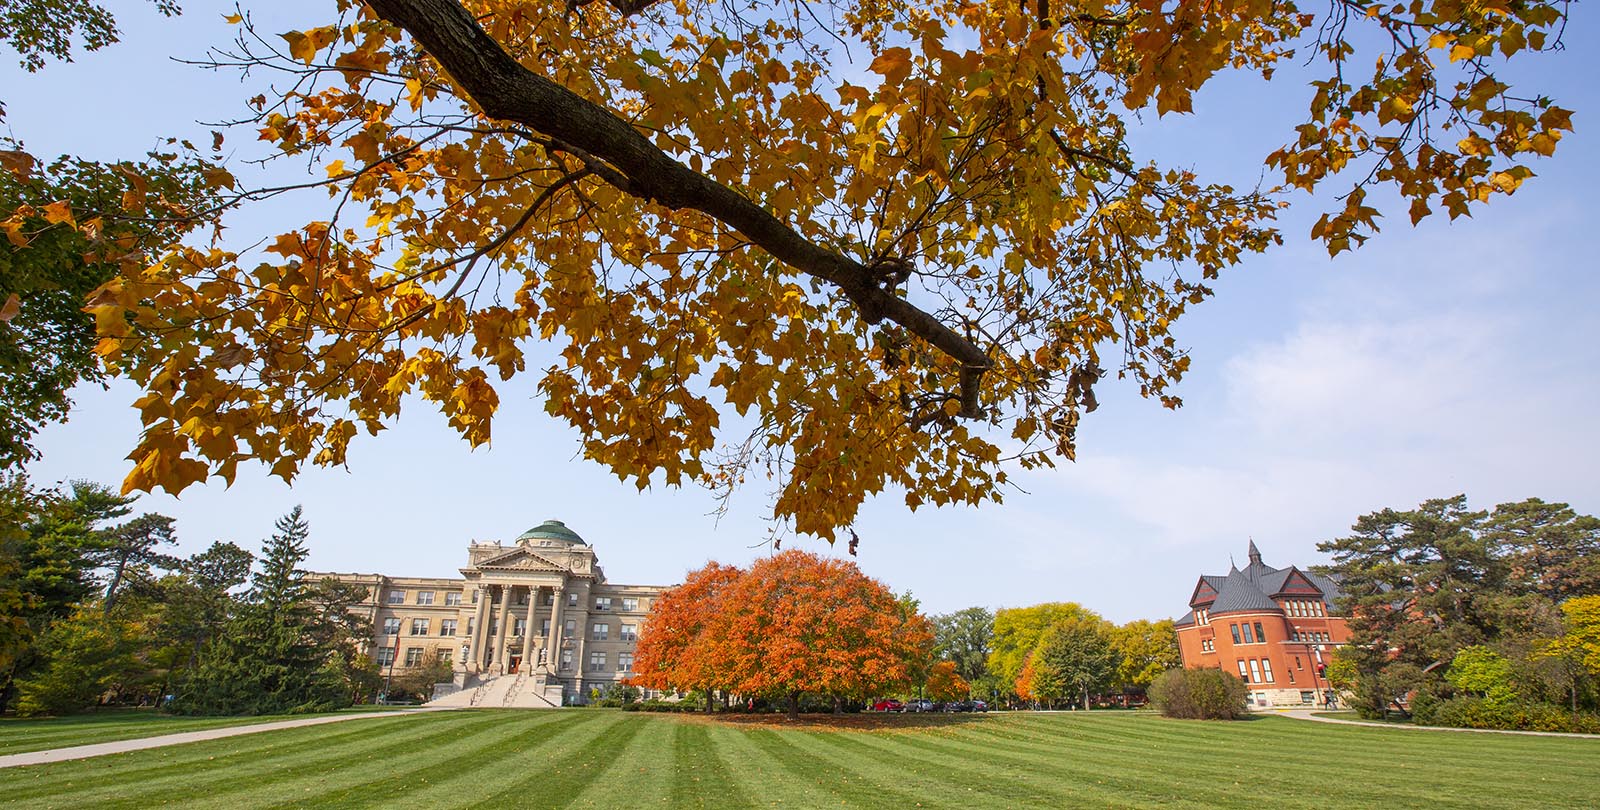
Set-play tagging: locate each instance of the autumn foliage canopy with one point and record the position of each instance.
(794, 623)
(720, 248)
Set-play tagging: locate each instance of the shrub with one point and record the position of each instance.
(1199, 694)
(1473, 712)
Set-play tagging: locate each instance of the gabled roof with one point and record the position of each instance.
(1205, 590)
(521, 559)
(1254, 587)
(1186, 620)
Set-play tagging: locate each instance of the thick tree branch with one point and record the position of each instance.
(505, 90)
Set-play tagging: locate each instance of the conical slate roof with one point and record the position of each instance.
(552, 530)
(1241, 593)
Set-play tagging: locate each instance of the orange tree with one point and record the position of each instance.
(672, 651)
(794, 624)
(904, 279)
(945, 684)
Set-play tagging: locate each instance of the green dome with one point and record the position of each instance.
(552, 530)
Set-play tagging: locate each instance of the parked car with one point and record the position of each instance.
(890, 705)
(919, 706)
(958, 706)
(979, 706)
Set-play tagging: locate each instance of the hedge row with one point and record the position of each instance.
(1471, 712)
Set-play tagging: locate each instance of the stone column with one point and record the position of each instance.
(554, 655)
(478, 632)
(528, 629)
(500, 657)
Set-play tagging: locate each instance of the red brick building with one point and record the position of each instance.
(1273, 627)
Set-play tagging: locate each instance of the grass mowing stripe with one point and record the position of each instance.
(211, 769)
(702, 776)
(797, 751)
(441, 766)
(753, 770)
(940, 781)
(641, 772)
(565, 773)
(1055, 772)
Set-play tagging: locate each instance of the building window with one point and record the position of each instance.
(597, 662)
(397, 597)
(413, 656)
(572, 627)
(452, 599)
(475, 597)
(601, 631)
(419, 627)
(472, 621)
(1297, 663)
(1266, 669)
(1255, 672)
(519, 627)
(1291, 676)
(447, 627)
(572, 600)
(629, 632)
(522, 598)
(1234, 628)
(424, 597)
(385, 656)
(630, 604)
(1308, 697)
(1248, 638)
(544, 628)
(1208, 645)
(1261, 635)
(602, 603)
(624, 662)
(549, 598)
(391, 626)
(566, 660)
(444, 655)
(1244, 671)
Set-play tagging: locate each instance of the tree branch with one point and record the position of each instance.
(505, 90)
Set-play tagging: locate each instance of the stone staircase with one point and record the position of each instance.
(520, 691)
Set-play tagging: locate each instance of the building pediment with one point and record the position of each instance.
(521, 559)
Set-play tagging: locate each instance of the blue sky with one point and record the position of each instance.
(1453, 357)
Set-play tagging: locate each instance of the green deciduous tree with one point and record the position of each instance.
(1145, 649)
(963, 638)
(1075, 658)
(1017, 632)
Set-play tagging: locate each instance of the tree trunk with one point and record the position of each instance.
(838, 705)
(711, 698)
(794, 705)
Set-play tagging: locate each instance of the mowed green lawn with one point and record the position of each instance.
(18, 736)
(608, 759)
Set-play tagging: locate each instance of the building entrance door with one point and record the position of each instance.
(516, 663)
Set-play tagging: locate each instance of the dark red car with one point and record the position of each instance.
(890, 705)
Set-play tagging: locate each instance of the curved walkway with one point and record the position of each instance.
(163, 740)
(1311, 714)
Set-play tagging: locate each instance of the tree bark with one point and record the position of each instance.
(794, 705)
(507, 91)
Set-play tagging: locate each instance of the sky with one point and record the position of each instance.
(1449, 358)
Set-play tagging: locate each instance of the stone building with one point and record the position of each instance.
(533, 623)
(1275, 627)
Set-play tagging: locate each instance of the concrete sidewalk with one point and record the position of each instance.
(1311, 714)
(141, 743)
